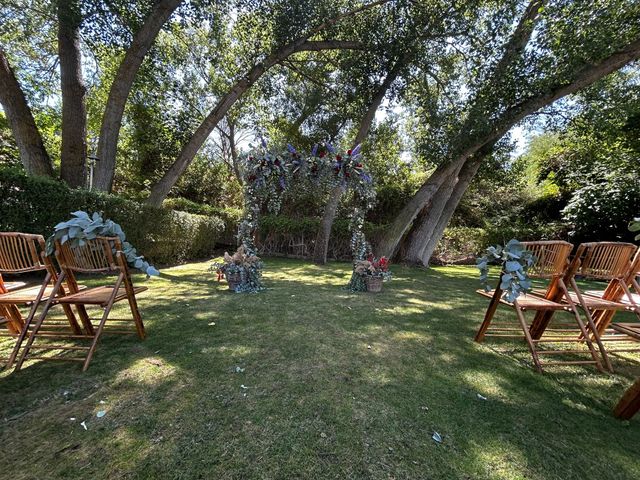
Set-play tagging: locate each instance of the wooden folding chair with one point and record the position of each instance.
(552, 261)
(95, 256)
(21, 254)
(629, 404)
(619, 264)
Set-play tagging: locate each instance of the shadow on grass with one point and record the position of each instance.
(330, 385)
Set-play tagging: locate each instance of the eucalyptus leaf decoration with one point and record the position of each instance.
(634, 226)
(515, 261)
(83, 227)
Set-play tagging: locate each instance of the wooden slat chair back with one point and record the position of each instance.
(102, 255)
(604, 260)
(23, 253)
(552, 262)
(622, 293)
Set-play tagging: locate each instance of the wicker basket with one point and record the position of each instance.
(374, 284)
(233, 279)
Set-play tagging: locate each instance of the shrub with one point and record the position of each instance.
(460, 245)
(36, 205)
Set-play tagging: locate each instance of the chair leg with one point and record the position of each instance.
(488, 316)
(527, 336)
(133, 305)
(583, 329)
(86, 321)
(47, 307)
(592, 326)
(103, 321)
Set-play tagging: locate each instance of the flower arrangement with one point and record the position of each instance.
(368, 274)
(243, 270)
(375, 267)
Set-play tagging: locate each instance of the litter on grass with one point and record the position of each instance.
(436, 437)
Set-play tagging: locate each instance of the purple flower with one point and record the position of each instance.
(290, 148)
(263, 142)
(314, 150)
(330, 147)
(356, 149)
(366, 178)
(282, 183)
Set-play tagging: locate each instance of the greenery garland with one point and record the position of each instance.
(83, 227)
(515, 261)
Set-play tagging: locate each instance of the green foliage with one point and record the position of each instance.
(634, 226)
(515, 261)
(461, 245)
(83, 227)
(37, 205)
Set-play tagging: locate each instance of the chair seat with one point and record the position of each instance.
(528, 301)
(26, 295)
(98, 295)
(624, 300)
(11, 286)
(597, 302)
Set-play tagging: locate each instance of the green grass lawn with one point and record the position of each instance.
(338, 385)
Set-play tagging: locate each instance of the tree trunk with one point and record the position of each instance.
(34, 156)
(160, 190)
(74, 113)
(120, 89)
(582, 77)
(424, 237)
(388, 244)
(464, 179)
(421, 232)
(328, 217)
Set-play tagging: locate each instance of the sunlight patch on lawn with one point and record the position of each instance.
(501, 461)
(484, 383)
(149, 371)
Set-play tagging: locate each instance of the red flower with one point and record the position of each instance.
(338, 158)
(322, 154)
(358, 165)
(347, 174)
(277, 163)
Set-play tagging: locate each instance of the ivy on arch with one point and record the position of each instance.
(268, 174)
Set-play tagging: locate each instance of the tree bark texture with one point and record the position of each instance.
(74, 112)
(33, 154)
(428, 232)
(120, 89)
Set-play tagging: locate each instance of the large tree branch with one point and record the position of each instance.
(121, 87)
(33, 154)
(160, 190)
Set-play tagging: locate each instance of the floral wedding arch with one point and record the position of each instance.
(268, 175)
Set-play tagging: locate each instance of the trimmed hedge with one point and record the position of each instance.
(164, 236)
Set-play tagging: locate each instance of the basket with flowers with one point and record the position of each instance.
(373, 271)
(242, 270)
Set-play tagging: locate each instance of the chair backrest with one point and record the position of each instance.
(94, 256)
(21, 252)
(604, 260)
(552, 258)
